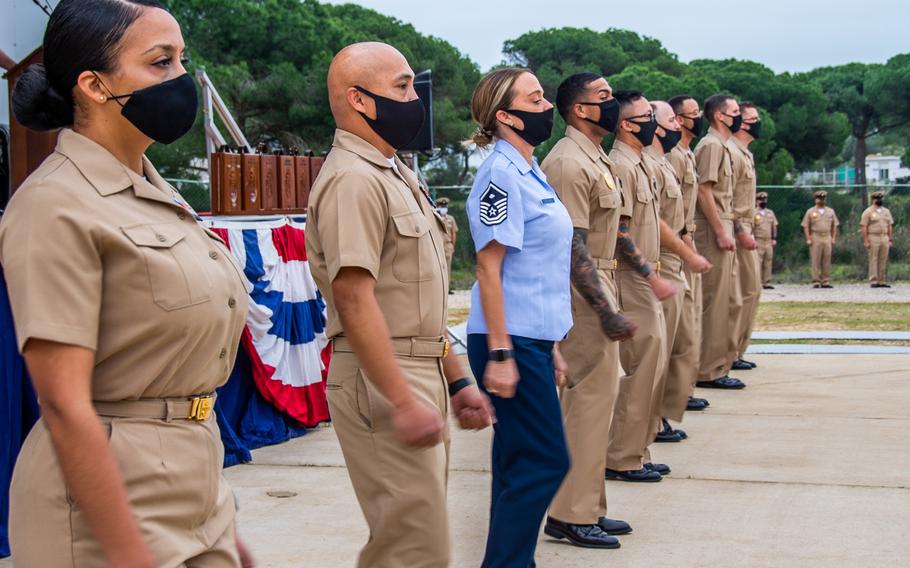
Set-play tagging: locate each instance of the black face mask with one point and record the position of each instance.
(670, 140)
(646, 131)
(538, 125)
(164, 112)
(698, 126)
(762, 204)
(396, 122)
(755, 130)
(878, 202)
(737, 123)
(609, 114)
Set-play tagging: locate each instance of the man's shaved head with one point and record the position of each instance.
(663, 111)
(376, 67)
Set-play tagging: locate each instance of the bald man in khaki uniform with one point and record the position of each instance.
(877, 228)
(747, 267)
(376, 251)
(640, 289)
(765, 227)
(820, 225)
(722, 300)
(581, 173)
(101, 257)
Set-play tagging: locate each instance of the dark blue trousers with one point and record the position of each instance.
(530, 456)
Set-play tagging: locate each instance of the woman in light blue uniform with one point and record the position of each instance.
(520, 308)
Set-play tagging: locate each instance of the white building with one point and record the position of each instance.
(22, 26)
(884, 169)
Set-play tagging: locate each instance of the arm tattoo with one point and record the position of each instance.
(584, 275)
(737, 227)
(627, 247)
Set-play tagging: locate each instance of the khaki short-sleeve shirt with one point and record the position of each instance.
(877, 220)
(451, 231)
(639, 184)
(765, 225)
(367, 212)
(683, 162)
(581, 173)
(715, 165)
(820, 222)
(744, 180)
(668, 188)
(97, 256)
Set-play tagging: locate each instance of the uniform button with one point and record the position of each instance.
(232, 302)
(181, 215)
(223, 354)
(213, 255)
(161, 238)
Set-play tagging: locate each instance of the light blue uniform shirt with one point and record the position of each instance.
(512, 203)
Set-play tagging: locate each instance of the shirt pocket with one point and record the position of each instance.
(414, 249)
(610, 200)
(176, 274)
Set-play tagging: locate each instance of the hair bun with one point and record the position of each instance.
(37, 105)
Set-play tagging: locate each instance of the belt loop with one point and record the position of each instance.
(168, 411)
(413, 347)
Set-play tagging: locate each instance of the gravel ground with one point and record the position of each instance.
(849, 293)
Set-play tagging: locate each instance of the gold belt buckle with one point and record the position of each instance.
(658, 266)
(445, 348)
(201, 407)
(615, 264)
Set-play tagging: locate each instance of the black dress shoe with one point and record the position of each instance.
(670, 430)
(722, 383)
(816, 285)
(700, 400)
(613, 526)
(696, 404)
(642, 475)
(884, 285)
(750, 363)
(667, 437)
(740, 365)
(587, 536)
(827, 286)
(660, 468)
(767, 287)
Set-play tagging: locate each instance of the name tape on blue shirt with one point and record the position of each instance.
(548, 201)
(494, 205)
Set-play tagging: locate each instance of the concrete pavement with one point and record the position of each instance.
(807, 467)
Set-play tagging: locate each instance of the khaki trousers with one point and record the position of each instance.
(643, 359)
(721, 304)
(450, 253)
(682, 347)
(750, 288)
(587, 405)
(689, 331)
(401, 490)
(878, 258)
(173, 477)
(820, 254)
(765, 260)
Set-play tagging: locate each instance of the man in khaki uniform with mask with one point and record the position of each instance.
(765, 226)
(682, 158)
(722, 301)
(747, 276)
(376, 252)
(877, 227)
(581, 173)
(674, 384)
(451, 234)
(820, 225)
(641, 289)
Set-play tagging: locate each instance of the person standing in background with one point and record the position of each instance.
(877, 227)
(746, 274)
(766, 236)
(451, 235)
(820, 225)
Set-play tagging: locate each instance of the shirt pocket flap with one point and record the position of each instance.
(750, 173)
(673, 191)
(154, 236)
(412, 224)
(609, 200)
(643, 196)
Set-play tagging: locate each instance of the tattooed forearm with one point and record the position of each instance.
(629, 250)
(584, 275)
(737, 227)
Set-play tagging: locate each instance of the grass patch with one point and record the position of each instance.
(457, 316)
(821, 316)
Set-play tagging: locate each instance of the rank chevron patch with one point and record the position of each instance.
(494, 205)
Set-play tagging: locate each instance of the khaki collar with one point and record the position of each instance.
(357, 145)
(741, 146)
(593, 151)
(712, 132)
(107, 174)
(627, 151)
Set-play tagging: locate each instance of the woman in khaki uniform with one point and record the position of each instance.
(127, 311)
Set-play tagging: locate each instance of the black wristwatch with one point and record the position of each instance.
(502, 354)
(457, 386)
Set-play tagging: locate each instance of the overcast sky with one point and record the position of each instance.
(786, 35)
